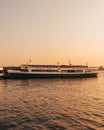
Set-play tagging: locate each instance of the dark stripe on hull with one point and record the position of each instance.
(29, 76)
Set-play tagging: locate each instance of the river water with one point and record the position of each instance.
(52, 104)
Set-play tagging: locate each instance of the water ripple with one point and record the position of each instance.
(52, 104)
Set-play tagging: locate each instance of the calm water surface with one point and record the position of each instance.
(52, 104)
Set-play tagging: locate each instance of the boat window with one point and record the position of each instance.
(70, 70)
(24, 70)
(79, 70)
(44, 70)
(1, 71)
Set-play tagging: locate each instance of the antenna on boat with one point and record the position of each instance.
(58, 64)
(30, 62)
(87, 64)
(69, 62)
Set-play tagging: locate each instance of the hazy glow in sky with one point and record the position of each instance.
(51, 31)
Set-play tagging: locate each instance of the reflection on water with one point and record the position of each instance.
(52, 104)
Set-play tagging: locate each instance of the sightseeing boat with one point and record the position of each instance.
(50, 71)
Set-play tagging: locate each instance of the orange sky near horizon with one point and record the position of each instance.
(51, 31)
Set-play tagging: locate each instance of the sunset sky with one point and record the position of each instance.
(51, 31)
